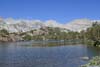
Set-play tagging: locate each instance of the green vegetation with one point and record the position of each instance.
(88, 36)
(27, 37)
(92, 34)
(4, 32)
(94, 62)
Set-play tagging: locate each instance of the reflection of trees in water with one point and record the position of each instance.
(59, 43)
(92, 51)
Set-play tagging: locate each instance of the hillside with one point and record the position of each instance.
(18, 30)
(22, 25)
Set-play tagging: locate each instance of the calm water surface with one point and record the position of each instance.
(16, 55)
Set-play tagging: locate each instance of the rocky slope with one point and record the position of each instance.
(23, 25)
(17, 30)
(79, 24)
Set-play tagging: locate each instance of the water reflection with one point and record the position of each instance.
(25, 54)
(92, 51)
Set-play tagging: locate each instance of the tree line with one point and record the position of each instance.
(90, 34)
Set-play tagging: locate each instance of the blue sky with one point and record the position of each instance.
(60, 10)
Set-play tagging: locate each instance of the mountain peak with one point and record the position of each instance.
(79, 24)
(53, 23)
(13, 25)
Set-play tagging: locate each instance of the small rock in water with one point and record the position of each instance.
(85, 58)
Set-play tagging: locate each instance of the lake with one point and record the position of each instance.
(25, 54)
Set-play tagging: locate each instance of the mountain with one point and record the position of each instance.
(53, 23)
(22, 29)
(13, 25)
(79, 24)
(23, 25)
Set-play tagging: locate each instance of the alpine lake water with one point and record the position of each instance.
(45, 54)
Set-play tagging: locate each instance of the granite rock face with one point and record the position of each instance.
(17, 27)
(23, 25)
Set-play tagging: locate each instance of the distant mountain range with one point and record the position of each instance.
(13, 25)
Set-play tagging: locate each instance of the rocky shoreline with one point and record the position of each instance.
(94, 62)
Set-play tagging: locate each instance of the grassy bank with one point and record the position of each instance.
(94, 62)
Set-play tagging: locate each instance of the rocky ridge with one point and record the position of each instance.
(18, 30)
